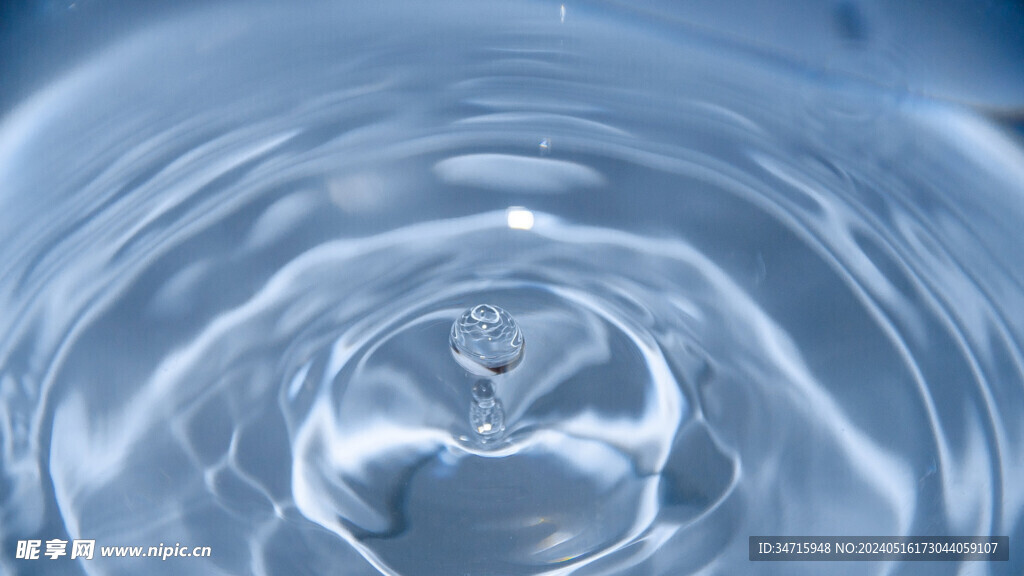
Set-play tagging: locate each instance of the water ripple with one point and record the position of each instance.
(228, 290)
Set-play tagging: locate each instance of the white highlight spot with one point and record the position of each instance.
(519, 218)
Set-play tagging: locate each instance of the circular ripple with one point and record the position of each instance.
(590, 417)
(226, 318)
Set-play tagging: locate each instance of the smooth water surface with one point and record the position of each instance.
(764, 293)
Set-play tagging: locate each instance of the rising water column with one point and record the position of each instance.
(486, 341)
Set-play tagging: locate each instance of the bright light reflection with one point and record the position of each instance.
(519, 218)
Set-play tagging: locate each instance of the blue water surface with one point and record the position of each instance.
(765, 258)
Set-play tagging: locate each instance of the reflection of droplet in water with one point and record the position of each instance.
(486, 414)
(486, 340)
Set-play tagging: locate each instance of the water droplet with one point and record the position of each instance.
(545, 147)
(486, 414)
(486, 340)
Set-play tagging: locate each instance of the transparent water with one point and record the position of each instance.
(486, 340)
(765, 292)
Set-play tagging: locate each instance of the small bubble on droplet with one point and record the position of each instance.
(486, 340)
(483, 392)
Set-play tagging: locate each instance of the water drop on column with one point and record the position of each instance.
(486, 340)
